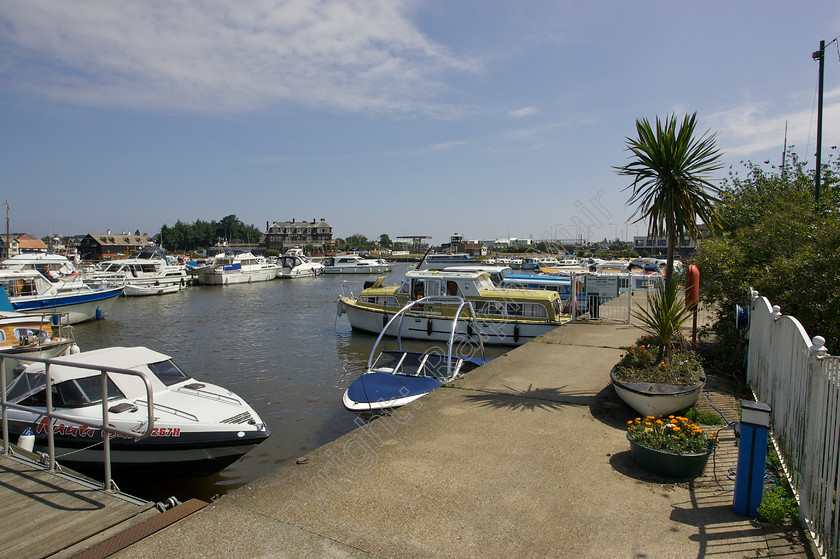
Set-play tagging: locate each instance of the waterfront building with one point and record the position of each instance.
(283, 235)
(110, 246)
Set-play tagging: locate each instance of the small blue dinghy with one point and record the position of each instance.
(398, 377)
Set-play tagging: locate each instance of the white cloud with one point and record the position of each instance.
(753, 128)
(523, 112)
(219, 56)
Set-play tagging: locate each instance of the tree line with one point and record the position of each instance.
(184, 237)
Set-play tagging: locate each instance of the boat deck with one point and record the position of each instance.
(55, 514)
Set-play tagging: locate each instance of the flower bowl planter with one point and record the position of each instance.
(654, 399)
(669, 464)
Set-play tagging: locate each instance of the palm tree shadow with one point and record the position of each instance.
(531, 399)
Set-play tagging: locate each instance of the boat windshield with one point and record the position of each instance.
(168, 372)
(28, 390)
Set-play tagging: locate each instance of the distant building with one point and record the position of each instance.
(110, 246)
(19, 243)
(283, 235)
(658, 246)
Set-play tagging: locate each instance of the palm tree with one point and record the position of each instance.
(669, 166)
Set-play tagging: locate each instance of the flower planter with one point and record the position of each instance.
(654, 399)
(668, 464)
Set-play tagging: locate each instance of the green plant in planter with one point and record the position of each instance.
(663, 355)
(674, 434)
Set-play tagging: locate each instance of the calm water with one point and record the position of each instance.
(277, 344)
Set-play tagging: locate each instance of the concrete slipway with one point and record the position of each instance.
(525, 457)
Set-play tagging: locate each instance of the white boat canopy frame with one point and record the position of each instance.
(450, 300)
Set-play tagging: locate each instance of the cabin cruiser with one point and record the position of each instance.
(148, 270)
(295, 264)
(355, 264)
(75, 301)
(505, 316)
(53, 267)
(192, 428)
(395, 378)
(236, 266)
(25, 335)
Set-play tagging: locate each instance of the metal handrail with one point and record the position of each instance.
(52, 415)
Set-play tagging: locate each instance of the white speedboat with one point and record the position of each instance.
(505, 316)
(295, 264)
(197, 428)
(75, 301)
(355, 264)
(397, 377)
(147, 267)
(236, 266)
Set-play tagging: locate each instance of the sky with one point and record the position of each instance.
(486, 118)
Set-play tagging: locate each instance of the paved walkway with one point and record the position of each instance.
(525, 457)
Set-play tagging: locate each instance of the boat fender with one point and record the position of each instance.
(429, 327)
(516, 332)
(55, 319)
(384, 320)
(339, 308)
(98, 313)
(74, 349)
(26, 440)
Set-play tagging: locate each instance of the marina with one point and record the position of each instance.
(277, 344)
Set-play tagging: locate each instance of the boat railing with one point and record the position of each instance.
(52, 415)
(450, 300)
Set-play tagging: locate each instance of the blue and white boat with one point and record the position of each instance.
(74, 301)
(398, 377)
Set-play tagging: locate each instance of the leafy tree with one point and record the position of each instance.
(777, 240)
(669, 166)
(385, 241)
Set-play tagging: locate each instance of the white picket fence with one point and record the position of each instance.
(801, 383)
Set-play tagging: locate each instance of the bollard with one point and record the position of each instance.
(752, 455)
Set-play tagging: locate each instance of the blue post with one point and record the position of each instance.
(752, 455)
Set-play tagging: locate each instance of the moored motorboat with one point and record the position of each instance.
(505, 316)
(140, 290)
(75, 301)
(395, 378)
(197, 428)
(355, 264)
(147, 267)
(236, 266)
(295, 264)
(25, 335)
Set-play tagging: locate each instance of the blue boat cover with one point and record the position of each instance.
(382, 387)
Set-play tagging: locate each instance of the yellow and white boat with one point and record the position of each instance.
(505, 316)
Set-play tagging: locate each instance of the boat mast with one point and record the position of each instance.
(8, 234)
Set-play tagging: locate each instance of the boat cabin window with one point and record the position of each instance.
(168, 372)
(28, 336)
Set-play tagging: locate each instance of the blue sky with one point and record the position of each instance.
(487, 118)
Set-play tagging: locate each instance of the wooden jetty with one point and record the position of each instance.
(62, 514)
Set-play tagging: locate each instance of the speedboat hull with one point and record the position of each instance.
(169, 450)
(74, 307)
(376, 392)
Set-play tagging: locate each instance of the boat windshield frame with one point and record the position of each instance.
(450, 300)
